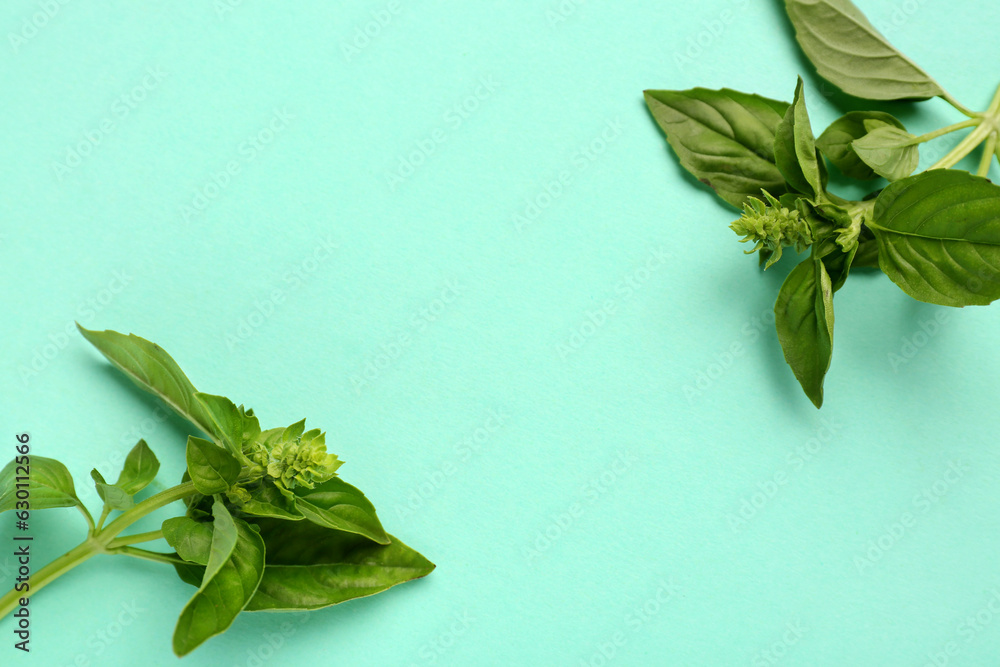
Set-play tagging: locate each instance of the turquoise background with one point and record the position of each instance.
(601, 448)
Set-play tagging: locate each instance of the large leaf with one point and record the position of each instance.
(835, 142)
(310, 567)
(723, 137)
(49, 484)
(795, 148)
(222, 594)
(338, 505)
(804, 320)
(212, 468)
(851, 54)
(889, 151)
(939, 237)
(150, 367)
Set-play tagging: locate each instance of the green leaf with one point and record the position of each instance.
(795, 148)
(139, 470)
(212, 468)
(113, 496)
(939, 237)
(867, 254)
(835, 142)
(191, 539)
(889, 151)
(268, 501)
(312, 567)
(723, 137)
(149, 366)
(224, 594)
(233, 424)
(804, 320)
(338, 505)
(50, 484)
(224, 536)
(851, 54)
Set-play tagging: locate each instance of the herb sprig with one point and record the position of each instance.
(269, 523)
(936, 234)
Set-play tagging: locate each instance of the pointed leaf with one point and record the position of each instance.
(233, 424)
(851, 54)
(939, 237)
(140, 469)
(795, 148)
(804, 320)
(835, 142)
(49, 484)
(889, 151)
(723, 137)
(338, 505)
(113, 496)
(212, 468)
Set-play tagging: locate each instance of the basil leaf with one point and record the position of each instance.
(149, 366)
(795, 148)
(835, 142)
(224, 594)
(224, 536)
(804, 320)
(723, 137)
(867, 254)
(939, 237)
(267, 501)
(50, 484)
(191, 539)
(234, 425)
(140, 469)
(113, 496)
(889, 151)
(338, 505)
(851, 54)
(212, 468)
(312, 567)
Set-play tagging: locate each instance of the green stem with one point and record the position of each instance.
(958, 105)
(154, 556)
(98, 543)
(947, 130)
(104, 515)
(135, 539)
(86, 515)
(988, 153)
(990, 123)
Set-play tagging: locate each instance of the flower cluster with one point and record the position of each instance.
(295, 458)
(772, 226)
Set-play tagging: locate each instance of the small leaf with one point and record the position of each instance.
(851, 54)
(191, 539)
(113, 496)
(795, 148)
(224, 594)
(313, 567)
(268, 501)
(939, 237)
(139, 470)
(804, 320)
(50, 484)
(889, 151)
(233, 424)
(723, 137)
(835, 142)
(212, 469)
(338, 505)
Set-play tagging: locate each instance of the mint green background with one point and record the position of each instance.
(882, 446)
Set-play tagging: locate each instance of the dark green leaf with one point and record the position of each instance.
(310, 567)
(851, 54)
(49, 484)
(939, 237)
(835, 142)
(212, 469)
(191, 539)
(889, 151)
(267, 501)
(338, 505)
(804, 320)
(795, 148)
(723, 137)
(224, 594)
(113, 496)
(150, 367)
